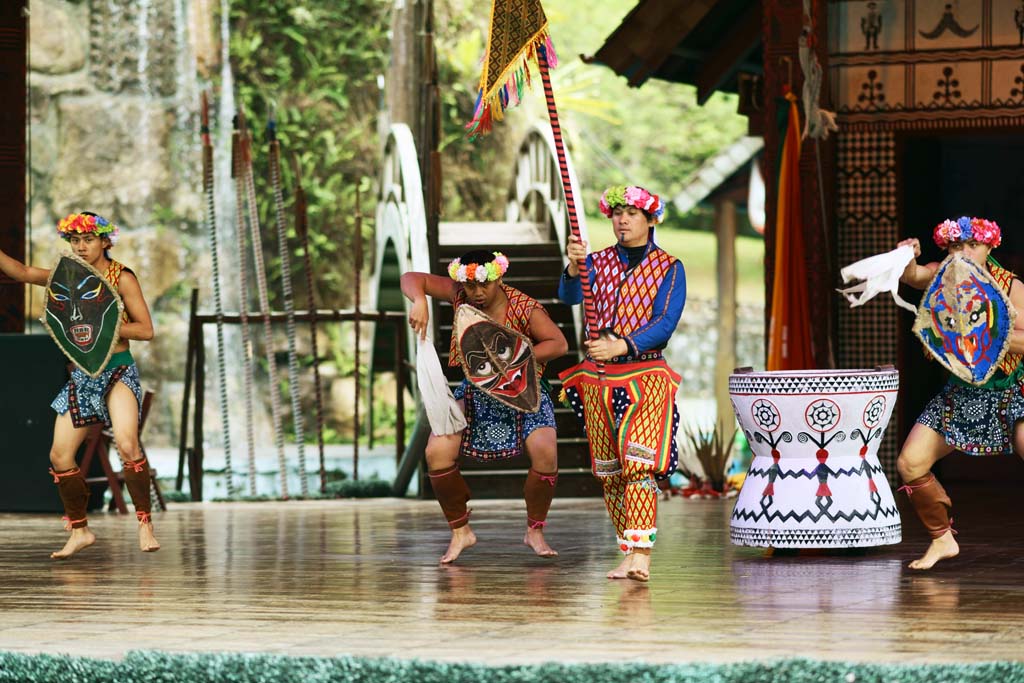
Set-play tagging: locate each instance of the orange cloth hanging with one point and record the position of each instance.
(789, 330)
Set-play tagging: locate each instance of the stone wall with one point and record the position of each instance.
(112, 94)
(691, 350)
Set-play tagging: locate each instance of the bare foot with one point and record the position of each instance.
(147, 541)
(640, 565)
(462, 538)
(535, 539)
(942, 548)
(621, 572)
(80, 539)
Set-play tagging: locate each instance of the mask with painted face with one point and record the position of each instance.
(497, 360)
(965, 320)
(83, 313)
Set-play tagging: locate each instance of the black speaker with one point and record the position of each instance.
(33, 373)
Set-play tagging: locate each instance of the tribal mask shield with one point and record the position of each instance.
(965, 320)
(497, 360)
(83, 313)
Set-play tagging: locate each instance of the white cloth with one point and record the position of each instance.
(880, 273)
(443, 411)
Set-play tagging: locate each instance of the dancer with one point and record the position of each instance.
(624, 392)
(114, 398)
(494, 430)
(975, 419)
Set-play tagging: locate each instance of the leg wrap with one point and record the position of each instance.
(74, 493)
(931, 503)
(539, 491)
(139, 481)
(452, 493)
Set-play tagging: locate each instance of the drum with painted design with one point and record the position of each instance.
(815, 480)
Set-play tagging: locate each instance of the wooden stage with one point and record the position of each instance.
(361, 577)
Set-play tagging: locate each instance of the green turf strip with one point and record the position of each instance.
(159, 667)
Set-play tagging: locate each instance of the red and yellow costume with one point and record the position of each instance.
(629, 409)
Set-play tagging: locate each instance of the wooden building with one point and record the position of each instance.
(930, 103)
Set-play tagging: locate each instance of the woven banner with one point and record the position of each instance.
(965, 320)
(518, 28)
(83, 313)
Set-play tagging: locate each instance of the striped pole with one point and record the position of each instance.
(302, 230)
(252, 213)
(590, 313)
(218, 306)
(289, 303)
(243, 306)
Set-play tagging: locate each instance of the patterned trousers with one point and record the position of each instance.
(628, 416)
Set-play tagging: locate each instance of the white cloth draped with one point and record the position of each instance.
(880, 273)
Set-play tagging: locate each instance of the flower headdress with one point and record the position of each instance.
(81, 223)
(964, 229)
(632, 195)
(480, 272)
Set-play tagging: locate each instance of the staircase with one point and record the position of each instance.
(535, 268)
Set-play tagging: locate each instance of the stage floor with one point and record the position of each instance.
(362, 578)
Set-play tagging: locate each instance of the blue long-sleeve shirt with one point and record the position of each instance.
(667, 308)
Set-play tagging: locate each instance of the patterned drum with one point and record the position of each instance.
(815, 480)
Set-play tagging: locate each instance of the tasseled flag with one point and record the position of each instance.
(518, 29)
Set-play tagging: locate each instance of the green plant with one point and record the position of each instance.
(315, 66)
(363, 488)
(712, 448)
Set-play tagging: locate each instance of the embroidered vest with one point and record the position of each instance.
(624, 300)
(113, 276)
(517, 317)
(1004, 277)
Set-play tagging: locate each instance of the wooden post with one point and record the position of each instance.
(725, 354)
(190, 350)
(195, 471)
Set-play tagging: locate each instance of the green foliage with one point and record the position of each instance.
(315, 65)
(160, 667)
(656, 136)
(363, 488)
(712, 447)
(173, 496)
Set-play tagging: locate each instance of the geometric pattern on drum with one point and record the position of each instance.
(868, 223)
(811, 474)
(815, 515)
(767, 416)
(816, 384)
(816, 538)
(822, 415)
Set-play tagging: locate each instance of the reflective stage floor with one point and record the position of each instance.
(362, 578)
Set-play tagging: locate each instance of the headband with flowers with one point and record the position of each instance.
(632, 195)
(964, 229)
(81, 223)
(480, 272)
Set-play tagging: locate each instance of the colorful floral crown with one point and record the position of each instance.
(632, 195)
(964, 229)
(479, 272)
(81, 223)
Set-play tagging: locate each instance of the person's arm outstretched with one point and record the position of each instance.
(916, 275)
(18, 271)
